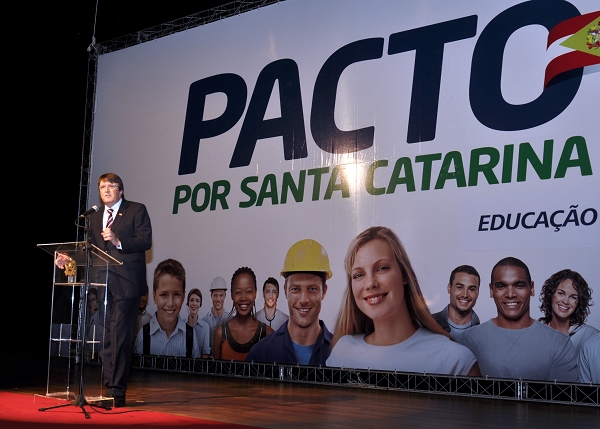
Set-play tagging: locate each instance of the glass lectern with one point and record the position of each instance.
(78, 301)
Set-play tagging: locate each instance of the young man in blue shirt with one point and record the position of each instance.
(303, 338)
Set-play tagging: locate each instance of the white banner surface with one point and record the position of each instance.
(312, 119)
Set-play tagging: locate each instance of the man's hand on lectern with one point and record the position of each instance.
(61, 260)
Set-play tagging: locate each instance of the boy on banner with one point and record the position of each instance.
(167, 334)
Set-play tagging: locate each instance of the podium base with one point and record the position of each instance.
(80, 402)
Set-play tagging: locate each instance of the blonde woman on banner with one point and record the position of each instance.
(384, 322)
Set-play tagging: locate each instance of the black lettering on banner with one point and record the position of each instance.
(525, 216)
(485, 95)
(572, 216)
(594, 216)
(485, 88)
(290, 126)
(516, 225)
(428, 43)
(322, 123)
(498, 221)
(553, 223)
(496, 226)
(483, 220)
(541, 220)
(196, 129)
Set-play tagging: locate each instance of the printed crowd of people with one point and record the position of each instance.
(383, 323)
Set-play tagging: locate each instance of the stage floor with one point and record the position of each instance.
(269, 404)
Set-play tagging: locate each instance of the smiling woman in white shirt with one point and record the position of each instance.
(384, 322)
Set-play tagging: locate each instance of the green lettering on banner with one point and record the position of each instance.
(427, 161)
(219, 196)
(182, 195)
(487, 169)
(507, 164)
(488, 163)
(408, 179)
(317, 172)
(370, 177)
(583, 160)
(248, 191)
(542, 168)
(268, 190)
(339, 171)
(455, 158)
(288, 184)
(200, 187)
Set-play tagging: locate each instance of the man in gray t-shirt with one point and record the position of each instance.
(514, 345)
(589, 360)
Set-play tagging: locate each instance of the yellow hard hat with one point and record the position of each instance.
(307, 255)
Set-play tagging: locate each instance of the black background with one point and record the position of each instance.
(47, 59)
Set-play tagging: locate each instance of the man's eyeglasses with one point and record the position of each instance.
(111, 187)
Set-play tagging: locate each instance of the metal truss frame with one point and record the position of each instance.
(495, 388)
(88, 129)
(233, 8)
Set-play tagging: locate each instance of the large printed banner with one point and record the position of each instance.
(462, 126)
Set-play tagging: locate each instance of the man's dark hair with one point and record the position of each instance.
(194, 291)
(511, 261)
(271, 281)
(112, 178)
(171, 267)
(467, 269)
(584, 301)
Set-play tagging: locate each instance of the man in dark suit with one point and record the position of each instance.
(122, 229)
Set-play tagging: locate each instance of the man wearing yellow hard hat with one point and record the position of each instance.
(303, 338)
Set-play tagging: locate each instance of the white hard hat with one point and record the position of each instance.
(218, 283)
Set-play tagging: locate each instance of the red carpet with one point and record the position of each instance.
(20, 411)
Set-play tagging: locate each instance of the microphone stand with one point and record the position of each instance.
(80, 400)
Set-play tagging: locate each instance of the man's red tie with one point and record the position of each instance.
(109, 221)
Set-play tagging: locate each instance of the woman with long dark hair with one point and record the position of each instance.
(565, 301)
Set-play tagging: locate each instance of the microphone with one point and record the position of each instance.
(89, 212)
